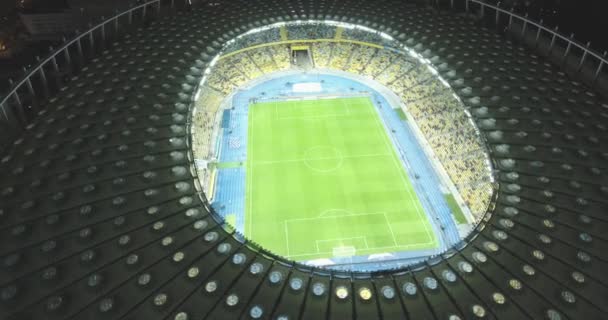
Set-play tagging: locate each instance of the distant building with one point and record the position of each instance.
(53, 19)
(49, 25)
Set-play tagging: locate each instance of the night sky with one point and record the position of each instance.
(587, 19)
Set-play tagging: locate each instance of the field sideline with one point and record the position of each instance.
(323, 179)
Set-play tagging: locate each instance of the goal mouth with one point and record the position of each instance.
(344, 251)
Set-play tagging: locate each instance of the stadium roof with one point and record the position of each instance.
(101, 217)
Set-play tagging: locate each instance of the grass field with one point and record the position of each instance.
(324, 180)
(455, 208)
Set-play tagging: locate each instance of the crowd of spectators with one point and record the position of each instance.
(382, 60)
(362, 35)
(454, 141)
(438, 114)
(233, 71)
(360, 58)
(309, 31)
(203, 122)
(264, 36)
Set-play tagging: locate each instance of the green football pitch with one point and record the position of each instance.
(324, 180)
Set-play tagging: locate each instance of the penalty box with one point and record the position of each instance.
(353, 230)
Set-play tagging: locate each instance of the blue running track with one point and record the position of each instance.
(230, 184)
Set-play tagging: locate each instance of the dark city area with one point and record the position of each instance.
(28, 28)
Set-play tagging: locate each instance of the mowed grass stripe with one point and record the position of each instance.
(399, 165)
(323, 170)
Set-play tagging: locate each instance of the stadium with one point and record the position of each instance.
(310, 159)
(298, 86)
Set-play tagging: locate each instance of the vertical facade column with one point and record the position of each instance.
(553, 40)
(103, 34)
(116, 26)
(30, 87)
(4, 112)
(497, 15)
(599, 68)
(130, 16)
(55, 67)
(79, 47)
(45, 83)
(42, 74)
(19, 105)
(511, 19)
(91, 41)
(452, 4)
(68, 58)
(482, 9)
(567, 52)
(17, 99)
(580, 64)
(525, 26)
(466, 6)
(540, 29)
(144, 13)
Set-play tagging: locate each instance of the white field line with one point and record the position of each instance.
(249, 169)
(292, 104)
(324, 212)
(396, 246)
(401, 170)
(349, 215)
(384, 138)
(322, 158)
(287, 237)
(347, 107)
(388, 248)
(391, 229)
(249, 214)
(336, 239)
(326, 240)
(333, 115)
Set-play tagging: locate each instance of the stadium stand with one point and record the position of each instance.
(362, 35)
(205, 121)
(321, 54)
(265, 36)
(435, 110)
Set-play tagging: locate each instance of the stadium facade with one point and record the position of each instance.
(105, 216)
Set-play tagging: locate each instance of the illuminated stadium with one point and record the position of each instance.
(314, 159)
(355, 163)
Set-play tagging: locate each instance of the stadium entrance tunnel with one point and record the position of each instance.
(335, 145)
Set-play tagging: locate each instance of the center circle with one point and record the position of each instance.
(323, 159)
